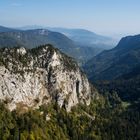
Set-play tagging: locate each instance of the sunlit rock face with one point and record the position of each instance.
(30, 78)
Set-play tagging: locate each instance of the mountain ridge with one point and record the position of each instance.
(83, 37)
(113, 63)
(33, 38)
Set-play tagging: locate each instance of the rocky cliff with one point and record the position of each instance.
(32, 77)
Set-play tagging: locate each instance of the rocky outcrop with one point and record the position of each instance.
(30, 78)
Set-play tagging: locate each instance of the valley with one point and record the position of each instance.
(69, 70)
(45, 94)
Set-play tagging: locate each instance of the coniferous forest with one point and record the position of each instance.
(105, 119)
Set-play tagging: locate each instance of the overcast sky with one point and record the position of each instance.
(101, 16)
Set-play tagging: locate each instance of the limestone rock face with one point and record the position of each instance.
(30, 78)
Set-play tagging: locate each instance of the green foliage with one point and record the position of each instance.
(103, 119)
(127, 86)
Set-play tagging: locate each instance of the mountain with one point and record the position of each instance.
(41, 85)
(6, 29)
(85, 37)
(33, 38)
(113, 63)
(32, 77)
(82, 37)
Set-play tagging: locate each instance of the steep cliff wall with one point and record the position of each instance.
(30, 78)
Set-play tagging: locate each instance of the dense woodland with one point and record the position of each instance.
(107, 118)
(126, 86)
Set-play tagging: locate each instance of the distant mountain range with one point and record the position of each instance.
(81, 51)
(118, 61)
(82, 37)
(6, 29)
(32, 38)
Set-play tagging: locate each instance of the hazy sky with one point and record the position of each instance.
(101, 16)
